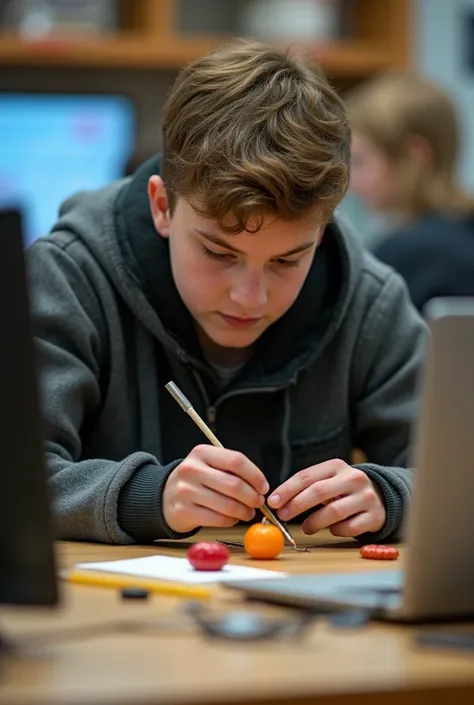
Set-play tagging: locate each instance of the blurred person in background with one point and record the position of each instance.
(405, 148)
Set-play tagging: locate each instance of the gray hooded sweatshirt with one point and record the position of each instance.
(338, 371)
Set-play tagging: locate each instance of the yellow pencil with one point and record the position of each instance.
(118, 582)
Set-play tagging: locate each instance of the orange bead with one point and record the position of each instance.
(263, 541)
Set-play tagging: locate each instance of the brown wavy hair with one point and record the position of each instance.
(249, 131)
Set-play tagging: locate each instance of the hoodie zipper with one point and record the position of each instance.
(211, 409)
(211, 417)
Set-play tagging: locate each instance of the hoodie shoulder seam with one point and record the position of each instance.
(370, 323)
(48, 241)
(378, 303)
(376, 270)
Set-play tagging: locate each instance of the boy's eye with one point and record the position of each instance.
(287, 262)
(228, 257)
(219, 256)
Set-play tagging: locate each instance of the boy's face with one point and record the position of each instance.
(235, 286)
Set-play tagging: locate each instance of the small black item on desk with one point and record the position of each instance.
(134, 594)
(5, 646)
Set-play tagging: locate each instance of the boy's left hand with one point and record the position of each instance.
(353, 503)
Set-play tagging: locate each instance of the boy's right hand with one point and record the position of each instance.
(212, 487)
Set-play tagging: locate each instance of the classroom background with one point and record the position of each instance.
(82, 87)
(82, 83)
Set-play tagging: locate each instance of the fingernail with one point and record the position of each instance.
(284, 514)
(274, 500)
(261, 501)
(265, 487)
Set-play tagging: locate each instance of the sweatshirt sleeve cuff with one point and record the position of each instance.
(395, 487)
(140, 510)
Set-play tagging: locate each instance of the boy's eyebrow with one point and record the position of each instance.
(223, 243)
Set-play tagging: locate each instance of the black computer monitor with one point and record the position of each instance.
(27, 568)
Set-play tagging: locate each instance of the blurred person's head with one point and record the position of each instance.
(256, 151)
(405, 147)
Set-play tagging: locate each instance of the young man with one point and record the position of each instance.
(218, 266)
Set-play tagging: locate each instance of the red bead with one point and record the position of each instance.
(379, 552)
(208, 555)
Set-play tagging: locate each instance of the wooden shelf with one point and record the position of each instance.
(128, 50)
(353, 59)
(153, 39)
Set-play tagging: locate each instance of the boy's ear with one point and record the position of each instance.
(158, 200)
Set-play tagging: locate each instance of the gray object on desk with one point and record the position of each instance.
(438, 580)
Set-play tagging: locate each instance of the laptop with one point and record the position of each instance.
(437, 582)
(27, 566)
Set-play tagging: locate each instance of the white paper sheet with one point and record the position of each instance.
(178, 570)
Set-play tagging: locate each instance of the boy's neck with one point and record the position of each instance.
(223, 357)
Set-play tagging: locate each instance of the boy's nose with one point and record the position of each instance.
(249, 292)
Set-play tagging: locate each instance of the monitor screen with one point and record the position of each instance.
(56, 145)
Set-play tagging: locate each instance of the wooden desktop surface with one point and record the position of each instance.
(98, 649)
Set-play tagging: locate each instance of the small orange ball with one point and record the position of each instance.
(263, 541)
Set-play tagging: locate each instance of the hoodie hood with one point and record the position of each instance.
(116, 224)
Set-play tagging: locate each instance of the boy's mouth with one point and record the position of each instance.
(237, 322)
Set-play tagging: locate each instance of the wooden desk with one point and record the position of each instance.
(100, 650)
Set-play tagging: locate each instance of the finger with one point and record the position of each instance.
(206, 517)
(234, 462)
(232, 486)
(354, 526)
(303, 479)
(333, 513)
(219, 503)
(317, 493)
